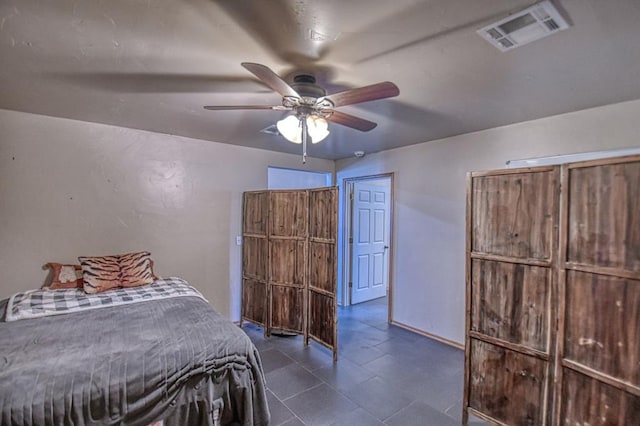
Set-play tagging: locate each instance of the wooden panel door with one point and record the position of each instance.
(322, 260)
(254, 257)
(599, 338)
(288, 233)
(512, 218)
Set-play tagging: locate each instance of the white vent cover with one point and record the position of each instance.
(533, 23)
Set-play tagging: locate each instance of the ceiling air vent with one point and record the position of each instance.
(533, 23)
(270, 130)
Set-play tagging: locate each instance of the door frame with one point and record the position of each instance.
(347, 220)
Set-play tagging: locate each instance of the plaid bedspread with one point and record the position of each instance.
(42, 303)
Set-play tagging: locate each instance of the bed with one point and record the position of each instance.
(172, 360)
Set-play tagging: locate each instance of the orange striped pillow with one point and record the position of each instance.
(102, 273)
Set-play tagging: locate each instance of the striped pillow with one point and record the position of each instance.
(123, 270)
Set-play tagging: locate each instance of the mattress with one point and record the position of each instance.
(175, 360)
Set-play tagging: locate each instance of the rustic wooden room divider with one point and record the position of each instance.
(289, 274)
(553, 295)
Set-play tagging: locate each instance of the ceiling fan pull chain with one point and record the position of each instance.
(303, 122)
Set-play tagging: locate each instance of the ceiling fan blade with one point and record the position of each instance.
(363, 94)
(351, 121)
(234, 107)
(271, 79)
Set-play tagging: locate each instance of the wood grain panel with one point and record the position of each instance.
(506, 385)
(287, 308)
(289, 214)
(510, 302)
(254, 258)
(287, 261)
(322, 314)
(514, 214)
(323, 222)
(602, 324)
(586, 401)
(322, 266)
(604, 218)
(254, 301)
(256, 205)
(322, 216)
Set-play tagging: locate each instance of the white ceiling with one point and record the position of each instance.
(153, 64)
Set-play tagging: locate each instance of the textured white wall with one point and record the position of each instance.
(71, 188)
(297, 179)
(429, 226)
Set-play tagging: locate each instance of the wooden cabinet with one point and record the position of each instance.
(289, 262)
(553, 294)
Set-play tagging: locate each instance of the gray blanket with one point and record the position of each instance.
(169, 359)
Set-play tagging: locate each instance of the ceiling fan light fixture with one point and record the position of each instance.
(290, 128)
(318, 128)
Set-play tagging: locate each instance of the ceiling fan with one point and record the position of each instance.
(311, 106)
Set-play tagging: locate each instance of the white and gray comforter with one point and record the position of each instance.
(174, 360)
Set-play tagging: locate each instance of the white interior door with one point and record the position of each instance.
(371, 222)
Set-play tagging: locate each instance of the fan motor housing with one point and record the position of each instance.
(305, 85)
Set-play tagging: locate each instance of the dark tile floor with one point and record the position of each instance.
(385, 375)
